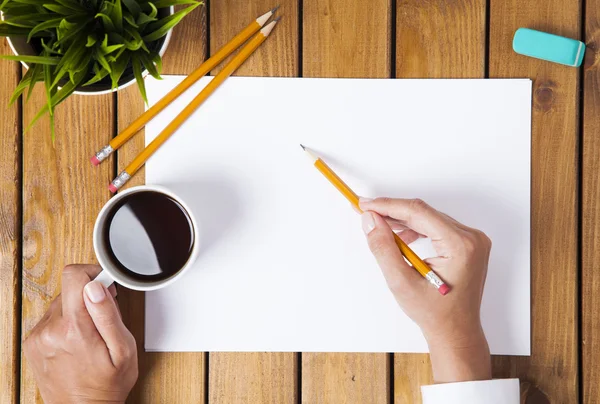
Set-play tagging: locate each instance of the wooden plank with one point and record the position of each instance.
(428, 47)
(343, 38)
(62, 194)
(173, 377)
(255, 377)
(590, 234)
(553, 365)
(10, 232)
(346, 39)
(345, 378)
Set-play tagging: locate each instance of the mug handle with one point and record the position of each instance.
(104, 278)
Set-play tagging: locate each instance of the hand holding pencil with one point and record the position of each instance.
(451, 323)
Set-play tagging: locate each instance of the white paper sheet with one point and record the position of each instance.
(284, 264)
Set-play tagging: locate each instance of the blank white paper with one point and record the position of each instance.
(284, 265)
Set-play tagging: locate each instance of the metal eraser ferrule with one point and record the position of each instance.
(549, 47)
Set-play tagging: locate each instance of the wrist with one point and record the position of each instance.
(460, 358)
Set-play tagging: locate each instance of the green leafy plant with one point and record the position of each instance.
(82, 42)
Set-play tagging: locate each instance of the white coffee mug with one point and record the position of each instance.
(110, 272)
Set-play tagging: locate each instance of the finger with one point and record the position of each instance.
(415, 214)
(400, 277)
(107, 319)
(113, 290)
(409, 236)
(54, 310)
(436, 263)
(74, 279)
(394, 224)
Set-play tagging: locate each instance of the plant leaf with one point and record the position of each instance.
(35, 17)
(160, 28)
(49, 49)
(36, 75)
(102, 60)
(118, 68)
(154, 10)
(48, 86)
(133, 7)
(55, 23)
(7, 30)
(32, 2)
(59, 9)
(139, 42)
(44, 60)
(79, 25)
(137, 72)
(100, 74)
(144, 20)
(169, 3)
(20, 23)
(91, 40)
(70, 59)
(157, 61)
(111, 48)
(117, 15)
(25, 81)
(108, 24)
(149, 65)
(3, 4)
(129, 19)
(59, 97)
(73, 5)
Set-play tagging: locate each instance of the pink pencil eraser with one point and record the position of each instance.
(112, 188)
(444, 289)
(95, 160)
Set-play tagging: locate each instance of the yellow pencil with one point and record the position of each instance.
(410, 255)
(196, 75)
(231, 67)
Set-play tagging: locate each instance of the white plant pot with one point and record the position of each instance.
(19, 46)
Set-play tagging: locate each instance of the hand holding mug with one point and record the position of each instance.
(80, 351)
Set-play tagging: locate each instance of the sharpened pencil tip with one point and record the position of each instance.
(277, 19)
(303, 148)
(275, 9)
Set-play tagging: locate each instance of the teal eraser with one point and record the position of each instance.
(552, 48)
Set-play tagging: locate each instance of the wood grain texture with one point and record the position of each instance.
(252, 377)
(10, 231)
(62, 194)
(553, 365)
(278, 55)
(335, 378)
(255, 377)
(165, 377)
(590, 234)
(427, 47)
(345, 38)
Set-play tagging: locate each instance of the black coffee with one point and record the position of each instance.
(149, 236)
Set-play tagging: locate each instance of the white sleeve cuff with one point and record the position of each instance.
(499, 391)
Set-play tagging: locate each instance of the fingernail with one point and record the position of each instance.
(364, 200)
(368, 223)
(95, 292)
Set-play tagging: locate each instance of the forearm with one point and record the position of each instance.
(461, 360)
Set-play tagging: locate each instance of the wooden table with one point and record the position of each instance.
(50, 194)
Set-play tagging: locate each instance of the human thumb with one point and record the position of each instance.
(400, 277)
(107, 319)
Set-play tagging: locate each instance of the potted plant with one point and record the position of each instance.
(87, 46)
